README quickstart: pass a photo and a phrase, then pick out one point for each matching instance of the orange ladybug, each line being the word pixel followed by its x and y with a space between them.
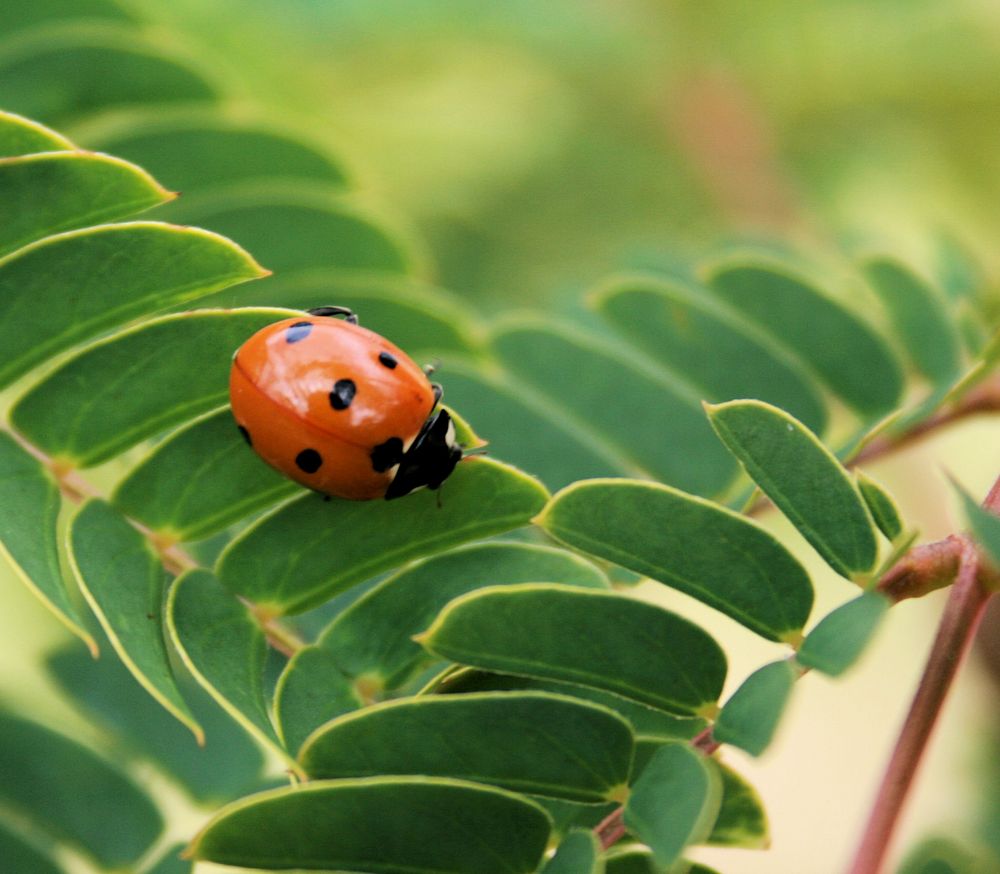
pixel 340 409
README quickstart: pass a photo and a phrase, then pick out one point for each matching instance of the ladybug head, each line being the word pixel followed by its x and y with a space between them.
pixel 430 459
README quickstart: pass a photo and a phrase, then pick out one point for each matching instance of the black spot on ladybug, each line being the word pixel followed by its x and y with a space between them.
pixel 387 359
pixel 342 394
pixel 309 460
pixel 298 331
pixel 246 435
pixel 387 454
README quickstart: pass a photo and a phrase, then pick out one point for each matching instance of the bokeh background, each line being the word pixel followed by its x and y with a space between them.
pixel 528 150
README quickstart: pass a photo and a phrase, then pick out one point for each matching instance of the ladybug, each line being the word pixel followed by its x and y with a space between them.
pixel 340 409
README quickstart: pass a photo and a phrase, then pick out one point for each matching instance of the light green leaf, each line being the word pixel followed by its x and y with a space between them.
pixel 22 136
pixel 838 640
pixel 935 855
pixel 58 191
pixel 630 859
pixel 750 717
pixel 380 824
pixel 742 821
pixel 532 742
pixel 710 346
pixel 123 581
pixel 74 793
pixel 21 855
pixel 310 692
pixel 804 480
pixel 309 549
pixel 600 389
pixel 920 318
pixel 373 637
pixel 675 802
pixel 29 513
pixel 199 481
pixel 691 544
pixel 984 525
pixel 881 505
pixel 579 853
pixel 112 274
pixel 22 16
pixel 847 354
pixel 646 653
pixel 136 383
pixel 223 648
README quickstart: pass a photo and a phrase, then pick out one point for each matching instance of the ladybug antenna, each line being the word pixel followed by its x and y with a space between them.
pixel 333 312
pixel 433 366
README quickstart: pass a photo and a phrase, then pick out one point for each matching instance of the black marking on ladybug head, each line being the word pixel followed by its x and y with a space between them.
pixel 387 454
pixel 309 461
pixel 387 359
pixel 246 435
pixel 298 331
pixel 343 393
pixel 430 459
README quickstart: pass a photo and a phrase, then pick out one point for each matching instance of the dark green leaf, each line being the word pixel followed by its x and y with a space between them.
pixel 373 637
pixel 847 354
pixel 599 391
pixel 919 317
pixel 579 853
pixel 688 543
pixel 804 480
pixel 60 191
pixel 568 815
pixel 111 274
pixel 881 505
pixel 309 549
pixel 21 136
pixel 838 640
pixel 22 16
pixel 123 580
pixel 199 481
pixel 634 649
pixel 74 793
pixel 170 862
pixel 742 821
pixel 630 859
pixel 22 856
pixel 310 692
pixel 136 383
pixel 710 346
pixel 750 717
pixel 984 525
pixel 675 801
pixel 223 648
pixel 29 513
pixel 380 825
pixel 532 742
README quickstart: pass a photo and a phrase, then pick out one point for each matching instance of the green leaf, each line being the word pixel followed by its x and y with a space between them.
pixel 847 354
pixel 74 793
pixel 21 855
pixel 920 318
pixel 373 637
pixel 196 153
pixel 60 191
pixel 228 765
pixel 310 692
pixel 29 514
pixel 60 77
pixel 309 549
pixel 675 802
pixel 691 544
pixel 984 525
pixel 579 853
pixel 710 346
pixel 881 505
pixel 381 824
pixel 223 648
pixel 532 742
pixel 936 855
pixel 136 383
pixel 645 653
pixel 630 859
pixel 750 717
pixel 22 16
pixel 112 274
pixel 170 862
pixel 840 637
pixel 199 481
pixel 742 821
pixel 804 479
pixel 123 581
pixel 22 136
pixel 600 390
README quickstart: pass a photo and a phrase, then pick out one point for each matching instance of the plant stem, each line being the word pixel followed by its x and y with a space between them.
pixel 955 633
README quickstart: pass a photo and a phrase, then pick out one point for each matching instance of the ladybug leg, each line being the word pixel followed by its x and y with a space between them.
pixel 438 392
pixel 333 312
